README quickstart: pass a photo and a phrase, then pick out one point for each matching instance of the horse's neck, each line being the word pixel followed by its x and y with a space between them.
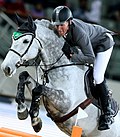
pixel 52 46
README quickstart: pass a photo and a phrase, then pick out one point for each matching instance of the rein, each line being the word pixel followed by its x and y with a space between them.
pixel 46 71
pixel 45 75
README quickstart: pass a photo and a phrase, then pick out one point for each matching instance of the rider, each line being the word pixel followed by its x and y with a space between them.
pixel 91 44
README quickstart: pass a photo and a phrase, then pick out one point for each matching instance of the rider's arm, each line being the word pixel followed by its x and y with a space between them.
pixel 82 41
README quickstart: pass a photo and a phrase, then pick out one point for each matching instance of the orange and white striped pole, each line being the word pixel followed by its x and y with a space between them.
pixel 6 132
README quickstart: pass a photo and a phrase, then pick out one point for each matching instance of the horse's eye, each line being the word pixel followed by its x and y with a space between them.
pixel 25 41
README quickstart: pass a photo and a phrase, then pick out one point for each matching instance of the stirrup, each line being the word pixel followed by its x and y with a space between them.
pixel 105 121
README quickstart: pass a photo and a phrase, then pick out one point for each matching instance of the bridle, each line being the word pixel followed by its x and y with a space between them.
pixel 25 63
pixel 33 37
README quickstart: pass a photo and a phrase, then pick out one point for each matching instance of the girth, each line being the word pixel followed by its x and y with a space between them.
pixel 62 119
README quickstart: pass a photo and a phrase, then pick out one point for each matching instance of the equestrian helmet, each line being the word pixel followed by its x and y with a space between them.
pixel 61 14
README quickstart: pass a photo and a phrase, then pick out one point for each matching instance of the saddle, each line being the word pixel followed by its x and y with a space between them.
pixel 90 92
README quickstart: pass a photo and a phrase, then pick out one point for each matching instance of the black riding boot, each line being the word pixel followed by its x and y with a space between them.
pixel 106 118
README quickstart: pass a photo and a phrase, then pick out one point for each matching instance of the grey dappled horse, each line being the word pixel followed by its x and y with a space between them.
pixel 65 89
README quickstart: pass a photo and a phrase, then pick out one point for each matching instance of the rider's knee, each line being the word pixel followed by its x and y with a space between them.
pixel 98 79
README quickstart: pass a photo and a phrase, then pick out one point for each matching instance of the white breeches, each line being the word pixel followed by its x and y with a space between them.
pixel 100 65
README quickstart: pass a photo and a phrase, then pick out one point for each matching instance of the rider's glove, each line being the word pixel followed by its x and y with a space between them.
pixel 67 51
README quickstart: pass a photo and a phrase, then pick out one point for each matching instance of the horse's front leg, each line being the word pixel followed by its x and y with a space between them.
pixel 22 110
pixel 34 108
pixel 26 79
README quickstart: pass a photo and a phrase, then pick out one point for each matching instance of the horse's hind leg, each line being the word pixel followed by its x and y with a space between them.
pixel 22 110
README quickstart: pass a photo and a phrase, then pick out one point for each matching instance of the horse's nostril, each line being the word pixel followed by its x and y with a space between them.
pixel 7 70
pixel 18 65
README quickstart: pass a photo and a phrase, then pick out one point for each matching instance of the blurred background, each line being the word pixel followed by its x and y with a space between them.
pixel 100 12
pixel 103 12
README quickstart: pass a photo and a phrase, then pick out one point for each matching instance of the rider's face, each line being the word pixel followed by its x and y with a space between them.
pixel 62 28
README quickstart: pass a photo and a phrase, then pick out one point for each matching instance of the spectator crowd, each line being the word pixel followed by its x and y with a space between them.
pixel 86 10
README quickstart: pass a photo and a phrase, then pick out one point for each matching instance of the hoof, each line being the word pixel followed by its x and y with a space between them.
pixel 36 124
pixel 22 111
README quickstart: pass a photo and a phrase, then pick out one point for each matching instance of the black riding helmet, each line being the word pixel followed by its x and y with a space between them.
pixel 61 14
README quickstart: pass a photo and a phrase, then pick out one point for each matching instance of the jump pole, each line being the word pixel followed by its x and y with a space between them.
pixel 2 134
pixel 6 132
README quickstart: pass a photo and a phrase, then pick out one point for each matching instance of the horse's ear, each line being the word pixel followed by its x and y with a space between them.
pixel 19 21
pixel 31 23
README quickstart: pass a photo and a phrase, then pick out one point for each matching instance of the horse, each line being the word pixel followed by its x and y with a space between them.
pixel 60 83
